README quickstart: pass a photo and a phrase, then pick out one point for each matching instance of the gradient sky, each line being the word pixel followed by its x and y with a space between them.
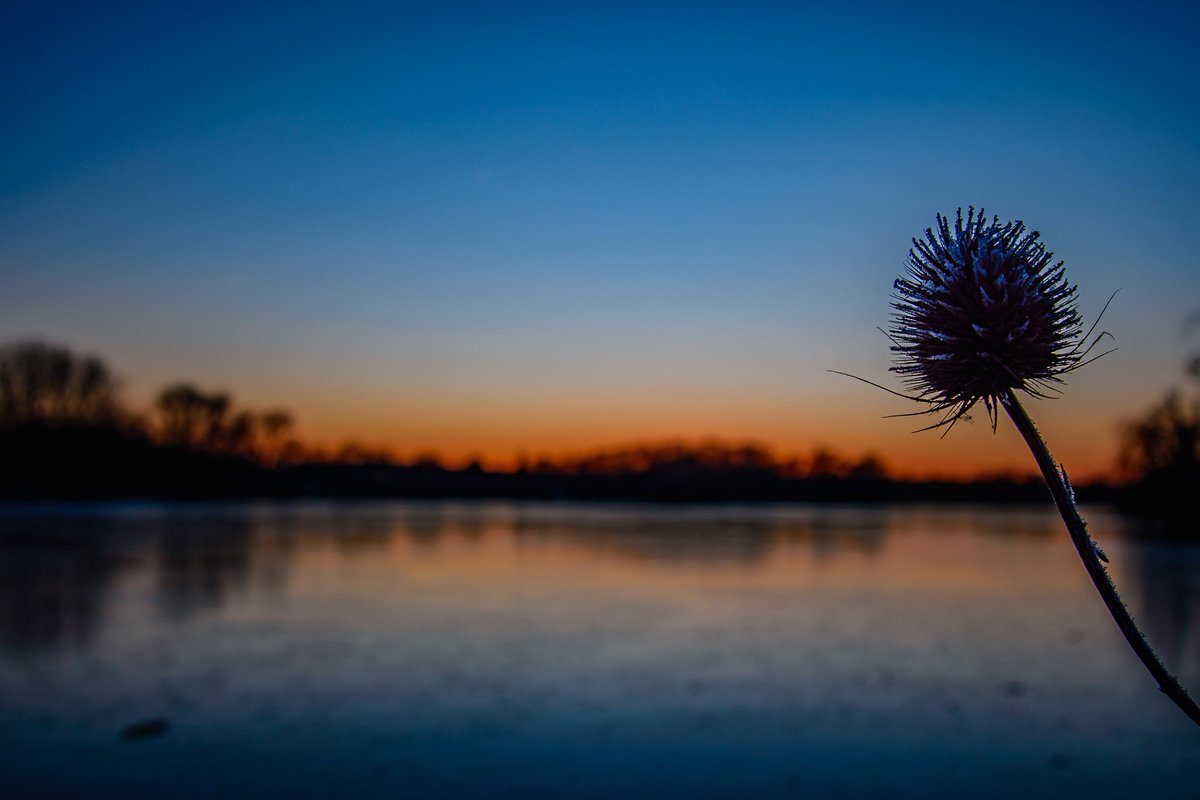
pixel 492 228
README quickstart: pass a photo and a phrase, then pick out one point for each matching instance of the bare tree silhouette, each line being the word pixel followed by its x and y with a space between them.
pixel 1165 438
pixel 275 436
pixel 1160 453
pixel 207 421
pixel 48 384
pixel 189 417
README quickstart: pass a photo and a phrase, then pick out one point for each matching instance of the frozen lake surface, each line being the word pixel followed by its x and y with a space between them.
pixel 540 650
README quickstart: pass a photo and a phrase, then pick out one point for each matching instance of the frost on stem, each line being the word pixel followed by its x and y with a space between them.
pixel 1096 549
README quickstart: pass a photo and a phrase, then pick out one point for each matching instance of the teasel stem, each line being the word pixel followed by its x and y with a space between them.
pixel 1090 554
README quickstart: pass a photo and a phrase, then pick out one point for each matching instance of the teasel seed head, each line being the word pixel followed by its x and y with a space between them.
pixel 982 310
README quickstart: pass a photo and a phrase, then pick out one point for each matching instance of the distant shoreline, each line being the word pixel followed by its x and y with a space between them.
pixel 335 481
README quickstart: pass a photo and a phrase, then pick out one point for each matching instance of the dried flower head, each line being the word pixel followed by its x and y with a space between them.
pixel 981 311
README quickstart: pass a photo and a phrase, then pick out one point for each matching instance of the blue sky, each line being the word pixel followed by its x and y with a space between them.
pixel 493 227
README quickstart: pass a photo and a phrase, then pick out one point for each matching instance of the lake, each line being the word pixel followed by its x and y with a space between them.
pixel 427 649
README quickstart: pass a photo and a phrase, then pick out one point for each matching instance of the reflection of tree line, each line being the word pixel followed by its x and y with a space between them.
pixel 57 569
pixel 52 576
pixel 1167 578
pixel 708 537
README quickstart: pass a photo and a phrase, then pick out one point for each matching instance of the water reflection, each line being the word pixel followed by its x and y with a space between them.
pixel 1166 591
pixel 720 535
pixel 200 562
pixel 54 575
pixel 483 649
pixel 57 564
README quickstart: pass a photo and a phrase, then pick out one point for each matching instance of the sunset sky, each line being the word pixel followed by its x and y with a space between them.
pixel 541 227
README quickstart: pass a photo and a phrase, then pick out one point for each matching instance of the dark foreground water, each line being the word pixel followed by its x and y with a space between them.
pixel 506 650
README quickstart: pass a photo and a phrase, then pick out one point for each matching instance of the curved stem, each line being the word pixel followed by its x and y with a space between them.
pixel 1064 498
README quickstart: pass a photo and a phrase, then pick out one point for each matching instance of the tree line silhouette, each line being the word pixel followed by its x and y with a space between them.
pixel 1160 456
pixel 65 433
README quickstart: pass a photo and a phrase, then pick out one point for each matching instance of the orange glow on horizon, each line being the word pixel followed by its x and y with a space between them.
pixel 926 458
pixel 502 424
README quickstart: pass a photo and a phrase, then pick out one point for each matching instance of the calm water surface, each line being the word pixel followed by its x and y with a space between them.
pixel 534 650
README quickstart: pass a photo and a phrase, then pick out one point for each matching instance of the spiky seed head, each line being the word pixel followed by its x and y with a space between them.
pixel 982 310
